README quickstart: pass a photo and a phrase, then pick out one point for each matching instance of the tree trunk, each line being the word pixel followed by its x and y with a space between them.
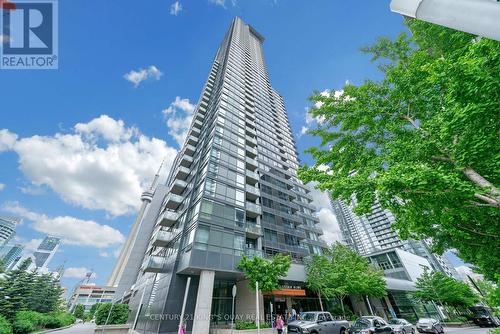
pixel 320 302
pixel 342 304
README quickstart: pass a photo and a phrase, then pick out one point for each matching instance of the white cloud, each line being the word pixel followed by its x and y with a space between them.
pixel 2 186
pixel 107 127
pixel 77 272
pixel 175 8
pixel 103 254
pixel 327 220
pixel 7 140
pixel 178 117
pixel 310 120
pixel 71 230
pixel 32 245
pixel 32 190
pixel 136 77
pixel 106 174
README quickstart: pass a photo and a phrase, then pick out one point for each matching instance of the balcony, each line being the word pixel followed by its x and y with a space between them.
pixel 168 218
pixel 253 210
pixel 195 132
pixel 253 230
pixel 153 264
pixel 173 201
pixel 251 152
pixel 251 252
pixel 162 238
pixel 252 164
pixel 178 187
pixel 199 116
pixel 182 173
pixel 191 140
pixel 190 149
pixel 186 161
pixel 198 124
pixel 252 192
pixel 252 178
pixel 251 141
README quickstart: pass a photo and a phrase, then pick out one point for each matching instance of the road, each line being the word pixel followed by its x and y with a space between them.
pixel 466 330
pixel 87 328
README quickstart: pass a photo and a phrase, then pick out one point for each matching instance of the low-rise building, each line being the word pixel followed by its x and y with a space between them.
pixel 90 294
pixel 401 270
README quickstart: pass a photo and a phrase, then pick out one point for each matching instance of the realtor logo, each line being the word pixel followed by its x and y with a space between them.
pixel 29 35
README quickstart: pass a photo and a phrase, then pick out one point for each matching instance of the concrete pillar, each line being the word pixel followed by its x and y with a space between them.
pixel 201 321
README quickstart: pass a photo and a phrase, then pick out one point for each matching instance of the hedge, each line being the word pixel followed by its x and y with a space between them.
pixel 5 327
pixel 118 316
pixel 30 321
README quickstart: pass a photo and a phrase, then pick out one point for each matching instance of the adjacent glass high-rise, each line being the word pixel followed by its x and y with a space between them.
pixel 7 229
pixel 232 190
pixel 45 251
pixel 373 232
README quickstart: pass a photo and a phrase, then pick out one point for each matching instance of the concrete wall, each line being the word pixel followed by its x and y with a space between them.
pixel 245 302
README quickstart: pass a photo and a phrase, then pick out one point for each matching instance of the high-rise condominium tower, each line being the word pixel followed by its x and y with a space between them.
pixel 373 232
pixel 7 229
pixel 232 190
pixel 46 251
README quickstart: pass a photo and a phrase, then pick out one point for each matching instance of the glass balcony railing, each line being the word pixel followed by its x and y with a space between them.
pixel 252 163
pixel 168 218
pixel 153 264
pixel 182 173
pixel 253 209
pixel 186 161
pixel 173 201
pixel 162 237
pixel 251 252
pixel 253 229
pixel 178 187
pixel 252 177
pixel 252 192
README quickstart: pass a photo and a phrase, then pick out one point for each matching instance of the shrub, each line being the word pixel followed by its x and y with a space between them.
pixel 250 325
pixel 456 319
pixel 27 321
pixel 5 327
pixel 58 319
pixel 119 314
pixel 23 327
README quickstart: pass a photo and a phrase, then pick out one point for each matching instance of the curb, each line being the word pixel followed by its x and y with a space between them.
pixel 54 329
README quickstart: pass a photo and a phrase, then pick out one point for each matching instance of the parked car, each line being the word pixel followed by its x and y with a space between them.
pixel 484 317
pixel 401 326
pixel 317 323
pixel 370 325
pixel 429 325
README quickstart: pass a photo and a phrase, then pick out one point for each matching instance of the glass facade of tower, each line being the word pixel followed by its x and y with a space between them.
pixel 233 189
pixel 373 232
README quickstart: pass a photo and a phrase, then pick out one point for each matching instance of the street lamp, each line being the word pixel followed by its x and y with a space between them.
pixel 477 17
pixel 232 311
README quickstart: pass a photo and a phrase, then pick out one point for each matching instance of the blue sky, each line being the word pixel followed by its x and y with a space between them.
pixel 80 142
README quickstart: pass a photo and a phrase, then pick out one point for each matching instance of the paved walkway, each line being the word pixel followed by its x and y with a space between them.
pixel 466 330
pixel 87 328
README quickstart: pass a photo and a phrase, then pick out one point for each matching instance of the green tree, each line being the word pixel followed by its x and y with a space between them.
pixel 93 309
pixel 423 140
pixel 353 274
pixel 111 314
pixel 266 272
pixel 318 277
pixel 490 292
pixel 79 311
pixel 15 289
pixel 434 286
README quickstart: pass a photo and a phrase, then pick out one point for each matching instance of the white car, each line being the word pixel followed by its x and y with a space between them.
pixel 429 325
